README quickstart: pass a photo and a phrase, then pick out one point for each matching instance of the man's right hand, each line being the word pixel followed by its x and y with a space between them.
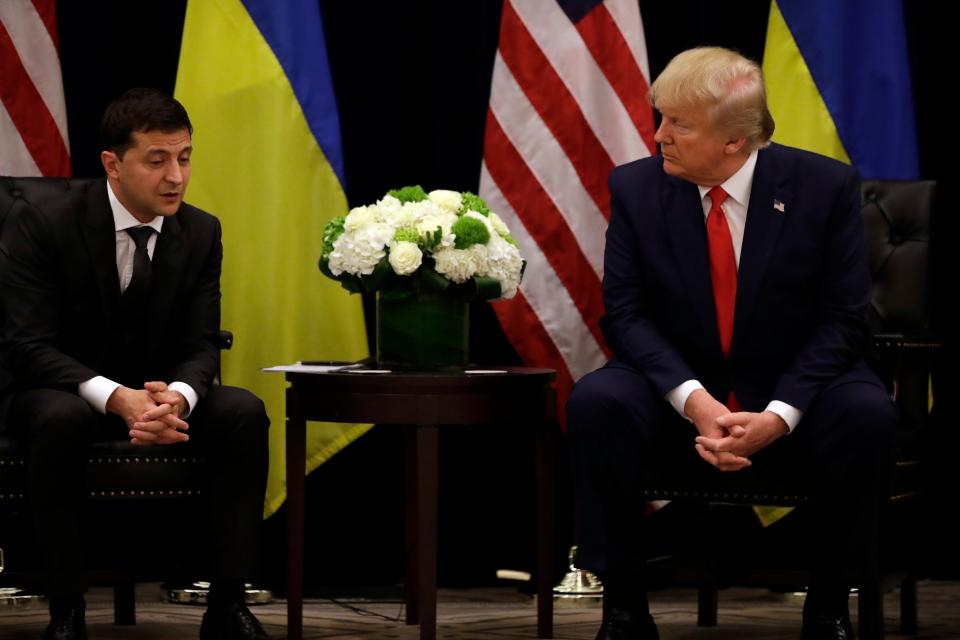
pixel 704 410
pixel 149 423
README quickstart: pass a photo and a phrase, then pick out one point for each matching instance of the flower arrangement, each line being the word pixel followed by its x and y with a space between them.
pixel 411 242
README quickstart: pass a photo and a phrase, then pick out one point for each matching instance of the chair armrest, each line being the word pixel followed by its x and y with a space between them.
pixel 922 342
pixel 225 339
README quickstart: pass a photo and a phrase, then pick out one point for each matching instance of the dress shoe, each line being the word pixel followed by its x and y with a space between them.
pixel 231 622
pixel 620 624
pixel 66 624
pixel 822 627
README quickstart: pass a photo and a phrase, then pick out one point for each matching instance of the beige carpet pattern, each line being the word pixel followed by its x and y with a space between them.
pixel 494 614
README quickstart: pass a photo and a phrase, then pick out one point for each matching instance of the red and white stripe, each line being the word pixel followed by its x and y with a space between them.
pixel 33 114
pixel 568 103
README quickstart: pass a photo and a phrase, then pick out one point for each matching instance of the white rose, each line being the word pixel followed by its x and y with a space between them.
pixel 449 200
pixel 405 257
pixel 498 224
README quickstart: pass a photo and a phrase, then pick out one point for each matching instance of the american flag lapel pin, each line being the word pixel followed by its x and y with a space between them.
pixel 779 206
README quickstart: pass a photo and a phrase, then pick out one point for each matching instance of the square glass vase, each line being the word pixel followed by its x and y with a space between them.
pixel 422 332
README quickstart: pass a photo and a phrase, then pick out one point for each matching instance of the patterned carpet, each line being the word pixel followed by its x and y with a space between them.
pixel 494 614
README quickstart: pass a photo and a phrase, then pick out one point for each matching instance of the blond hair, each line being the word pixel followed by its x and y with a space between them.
pixel 729 85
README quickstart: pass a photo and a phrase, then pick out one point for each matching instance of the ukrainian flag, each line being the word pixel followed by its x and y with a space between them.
pixel 254 76
pixel 838 84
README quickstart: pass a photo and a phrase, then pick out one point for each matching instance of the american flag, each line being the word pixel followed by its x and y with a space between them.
pixel 33 115
pixel 567 104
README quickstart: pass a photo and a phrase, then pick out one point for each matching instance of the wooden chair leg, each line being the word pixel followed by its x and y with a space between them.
pixel 870 606
pixel 908 605
pixel 707 596
pixel 124 604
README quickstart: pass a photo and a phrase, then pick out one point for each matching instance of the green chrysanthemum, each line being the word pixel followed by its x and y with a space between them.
pixel 414 193
pixel 469 231
pixel 407 234
pixel 473 202
pixel 331 231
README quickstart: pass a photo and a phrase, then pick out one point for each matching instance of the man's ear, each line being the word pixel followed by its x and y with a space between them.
pixel 733 147
pixel 110 160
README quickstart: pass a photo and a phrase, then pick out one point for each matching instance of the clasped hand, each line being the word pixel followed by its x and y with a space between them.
pixel 727 440
pixel 152 414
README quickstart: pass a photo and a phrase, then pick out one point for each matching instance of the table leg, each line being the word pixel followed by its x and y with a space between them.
pixel 545 526
pixel 422 454
pixel 296 466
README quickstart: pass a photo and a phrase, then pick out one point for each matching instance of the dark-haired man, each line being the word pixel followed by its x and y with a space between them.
pixel 112 301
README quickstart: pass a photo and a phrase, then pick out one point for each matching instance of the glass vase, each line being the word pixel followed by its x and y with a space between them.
pixel 426 332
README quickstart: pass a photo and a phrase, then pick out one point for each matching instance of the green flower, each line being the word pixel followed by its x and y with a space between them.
pixel 331 231
pixel 407 234
pixel 473 202
pixel 509 238
pixel 413 193
pixel 469 231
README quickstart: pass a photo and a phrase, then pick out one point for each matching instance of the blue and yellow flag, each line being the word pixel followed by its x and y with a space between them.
pixel 254 77
pixel 838 83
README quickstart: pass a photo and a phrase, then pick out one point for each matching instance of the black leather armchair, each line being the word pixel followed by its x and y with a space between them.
pixel 118 472
pixel 897 217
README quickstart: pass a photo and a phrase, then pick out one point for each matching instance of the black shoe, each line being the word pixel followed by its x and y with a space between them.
pixel 231 622
pixel 822 627
pixel 66 624
pixel 620 624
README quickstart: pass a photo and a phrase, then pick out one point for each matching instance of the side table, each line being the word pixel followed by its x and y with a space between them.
pixel 422 403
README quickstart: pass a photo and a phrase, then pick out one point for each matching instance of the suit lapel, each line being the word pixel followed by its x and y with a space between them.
pixel 688 239
pixel 99 235
pixel 770 204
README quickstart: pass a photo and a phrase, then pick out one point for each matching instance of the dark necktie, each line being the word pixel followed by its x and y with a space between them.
pixel 723 274
pixel 142 269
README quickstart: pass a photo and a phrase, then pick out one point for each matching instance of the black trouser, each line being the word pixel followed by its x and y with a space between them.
pixel 228 428
pixel 619 426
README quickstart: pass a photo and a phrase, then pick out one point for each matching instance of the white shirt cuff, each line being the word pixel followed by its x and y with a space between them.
pixel 188 394
pixel 677 397
pixel 96 391
pixel 791 415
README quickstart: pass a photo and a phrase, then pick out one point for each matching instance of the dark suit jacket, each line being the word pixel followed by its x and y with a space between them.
pixel 62 294
pixel 802 284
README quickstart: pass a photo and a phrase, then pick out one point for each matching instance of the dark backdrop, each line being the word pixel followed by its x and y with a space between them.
pixel 380 52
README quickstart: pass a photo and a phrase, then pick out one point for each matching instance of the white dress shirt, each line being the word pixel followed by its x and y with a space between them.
pixel 738 188
pixel 97 390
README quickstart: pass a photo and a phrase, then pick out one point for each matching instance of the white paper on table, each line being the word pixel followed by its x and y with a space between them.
pixel 299 367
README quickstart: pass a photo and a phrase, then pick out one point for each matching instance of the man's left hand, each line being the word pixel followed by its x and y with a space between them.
pixel 161 394
pixel 759 431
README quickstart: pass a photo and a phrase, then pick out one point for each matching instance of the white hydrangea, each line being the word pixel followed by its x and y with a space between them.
pixel 458 265
pixel 449 200
pixel 504 264
pixel 405 257
pixel 357 252
pixel 361 218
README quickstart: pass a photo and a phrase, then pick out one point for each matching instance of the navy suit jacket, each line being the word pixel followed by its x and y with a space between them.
pixel 802 284
pixel 62 293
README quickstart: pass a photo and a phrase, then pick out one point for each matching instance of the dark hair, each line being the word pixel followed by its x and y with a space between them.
pixel 140 109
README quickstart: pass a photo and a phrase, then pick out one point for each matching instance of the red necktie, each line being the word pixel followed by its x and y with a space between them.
pixel 723 273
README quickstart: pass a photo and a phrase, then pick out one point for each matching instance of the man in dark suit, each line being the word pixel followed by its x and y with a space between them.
pixel 735 286
pixel 112 312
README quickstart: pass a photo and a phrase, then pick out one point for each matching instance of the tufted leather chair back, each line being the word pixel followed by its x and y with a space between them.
pixel 896 219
